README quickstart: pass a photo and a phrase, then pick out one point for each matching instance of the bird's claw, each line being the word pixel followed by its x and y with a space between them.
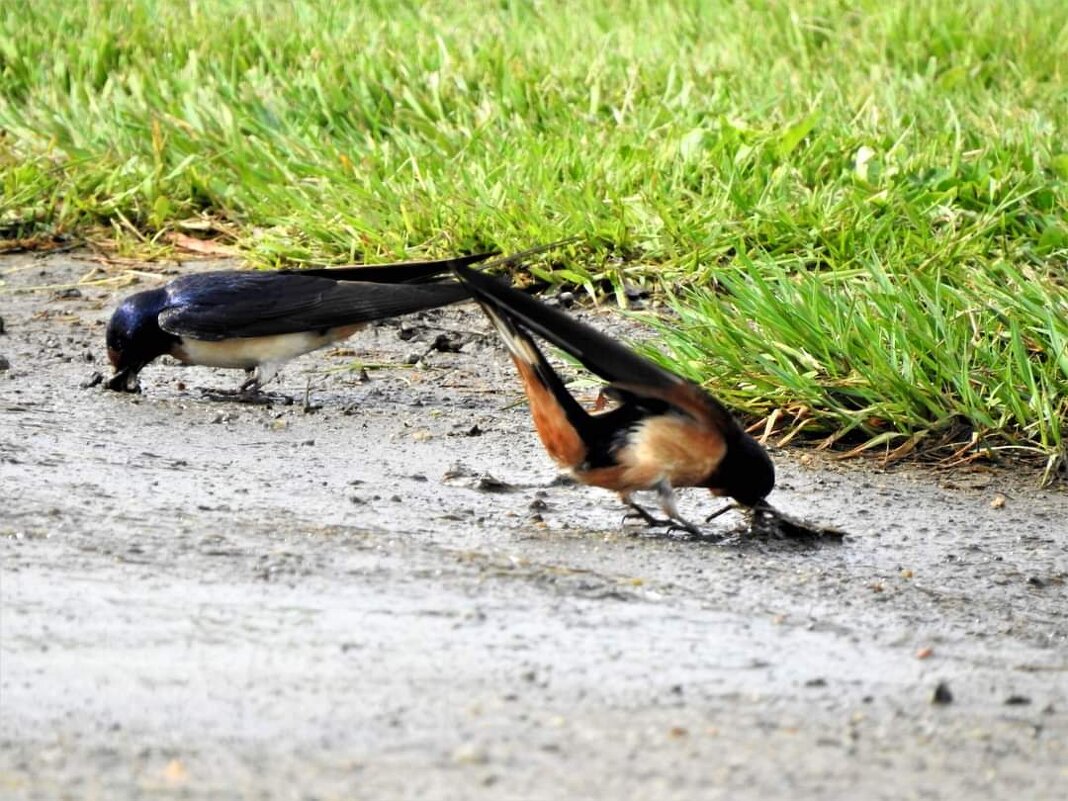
pixel 669 524
pixel 242 395
pixel 684 525
pixel 637 513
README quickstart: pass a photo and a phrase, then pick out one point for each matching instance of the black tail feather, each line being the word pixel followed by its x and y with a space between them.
pixel 415 271
pixel 397 272
pixel 597 352
pixel 524 349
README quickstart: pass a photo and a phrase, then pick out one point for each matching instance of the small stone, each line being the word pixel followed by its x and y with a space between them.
pixel 1017 700
pixel 941 694
pixel 95 378
pixel 175 772
pixel 457 470
pixel 488 483
pixel 443 343
pixel 469 754
pixel 6 365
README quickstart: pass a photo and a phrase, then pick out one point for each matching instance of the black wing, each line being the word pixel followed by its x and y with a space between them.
pixel 603 355
pixel 220 305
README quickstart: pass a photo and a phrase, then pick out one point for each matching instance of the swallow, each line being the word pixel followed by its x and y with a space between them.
pixel 665 431
pixel 257 321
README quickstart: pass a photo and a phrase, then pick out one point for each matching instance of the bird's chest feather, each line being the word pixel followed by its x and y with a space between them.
pixel 249 352
pixel 657 448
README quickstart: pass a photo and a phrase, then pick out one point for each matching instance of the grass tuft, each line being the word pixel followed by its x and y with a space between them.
pixel 970 363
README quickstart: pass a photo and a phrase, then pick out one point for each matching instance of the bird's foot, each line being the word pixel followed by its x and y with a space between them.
pixel 250 395
pixel 680 524
pixel 669 524
pixel 635 512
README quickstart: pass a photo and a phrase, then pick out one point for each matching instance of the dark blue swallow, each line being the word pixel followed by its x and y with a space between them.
pixel 257 321
pixel 665 432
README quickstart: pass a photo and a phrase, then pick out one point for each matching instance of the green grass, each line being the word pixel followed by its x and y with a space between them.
pixel 860 207
pixel 968 363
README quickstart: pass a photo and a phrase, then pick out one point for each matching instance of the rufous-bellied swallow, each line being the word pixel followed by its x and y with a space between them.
pixel 258 320
pixel 665 432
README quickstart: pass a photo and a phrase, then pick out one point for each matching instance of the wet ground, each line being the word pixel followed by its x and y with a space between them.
pixel 388 593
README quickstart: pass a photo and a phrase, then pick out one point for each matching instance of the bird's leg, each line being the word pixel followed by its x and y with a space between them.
pixel 251 389
pixel 667 502
pixel 250 386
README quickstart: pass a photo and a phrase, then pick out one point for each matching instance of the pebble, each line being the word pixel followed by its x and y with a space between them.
pixel 469 754
pixel 942 694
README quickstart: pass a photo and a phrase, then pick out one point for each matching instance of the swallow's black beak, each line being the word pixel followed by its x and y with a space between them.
pixel 124 380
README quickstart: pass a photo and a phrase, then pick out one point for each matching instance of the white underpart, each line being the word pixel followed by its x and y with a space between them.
pixel 262 354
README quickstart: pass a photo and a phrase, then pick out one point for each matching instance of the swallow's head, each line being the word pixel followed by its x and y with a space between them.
pixel 134 338
pixel 746 473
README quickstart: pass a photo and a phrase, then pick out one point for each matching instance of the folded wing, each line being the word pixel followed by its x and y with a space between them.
pixel 214 306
